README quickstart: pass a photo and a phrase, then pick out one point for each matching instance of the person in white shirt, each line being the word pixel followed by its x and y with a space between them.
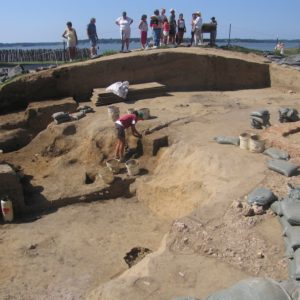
pixel 198 29
pixel 72 41
pixel 124 23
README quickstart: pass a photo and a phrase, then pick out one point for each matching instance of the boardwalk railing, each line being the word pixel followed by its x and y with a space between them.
pixel 41 55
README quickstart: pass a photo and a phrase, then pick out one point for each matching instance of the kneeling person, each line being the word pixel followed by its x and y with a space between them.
pixel 121 124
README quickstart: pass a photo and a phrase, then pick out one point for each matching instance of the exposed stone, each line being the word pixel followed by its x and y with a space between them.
pixel 237 204
pixel 135 255
pixel 247 210
pixel 258 210
pixel 260 255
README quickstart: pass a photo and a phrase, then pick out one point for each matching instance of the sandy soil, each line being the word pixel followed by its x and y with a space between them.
pixel 64 254
pixel 188 193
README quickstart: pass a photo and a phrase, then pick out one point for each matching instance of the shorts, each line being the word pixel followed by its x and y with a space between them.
pixel 125 34
pixel 165 33
pixel 93 41
pixel 120 132
pixel 143 37
pixel 71 43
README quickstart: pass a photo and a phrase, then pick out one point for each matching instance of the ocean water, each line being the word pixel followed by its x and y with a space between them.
pixel 103 47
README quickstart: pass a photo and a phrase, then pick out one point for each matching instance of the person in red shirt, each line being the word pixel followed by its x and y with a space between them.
pixel 121 124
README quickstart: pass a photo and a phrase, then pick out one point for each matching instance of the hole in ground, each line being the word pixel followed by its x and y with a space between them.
pixel 90 178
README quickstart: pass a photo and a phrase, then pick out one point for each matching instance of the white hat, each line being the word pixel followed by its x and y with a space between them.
pixel 172 9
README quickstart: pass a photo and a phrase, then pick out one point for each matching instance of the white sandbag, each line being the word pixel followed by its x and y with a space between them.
pixel 228 140
pixel 119 88
pixel 277 153
pixel 252 289
pixel 283 167
pixel 261 196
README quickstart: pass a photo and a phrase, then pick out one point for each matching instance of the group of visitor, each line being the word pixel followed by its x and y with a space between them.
pixel 165 31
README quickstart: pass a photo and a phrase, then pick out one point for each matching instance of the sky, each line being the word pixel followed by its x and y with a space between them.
pixel 45 21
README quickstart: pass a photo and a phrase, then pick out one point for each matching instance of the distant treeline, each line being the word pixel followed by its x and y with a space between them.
pixel 110 41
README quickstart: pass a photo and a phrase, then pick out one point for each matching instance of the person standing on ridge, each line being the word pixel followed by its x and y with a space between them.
pixel 198 29
pixel 143 27
pixel 180 28
pixel 156 28
pixel 213 34
pixel 173 25
pixel 93 37
pixel 72 41
pixel 193 29
pixel 124 23
pixel 163 19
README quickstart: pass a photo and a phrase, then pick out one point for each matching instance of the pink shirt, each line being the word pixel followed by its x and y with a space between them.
pixel 127 120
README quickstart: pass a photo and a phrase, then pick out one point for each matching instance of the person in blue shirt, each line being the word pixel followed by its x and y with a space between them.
pixel 93 37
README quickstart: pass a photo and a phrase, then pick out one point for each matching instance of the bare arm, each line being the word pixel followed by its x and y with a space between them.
pixel 135 132
pixel 64 34
pixel 76 36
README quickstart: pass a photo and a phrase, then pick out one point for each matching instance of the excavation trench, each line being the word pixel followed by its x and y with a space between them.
pixel 221 74
pixel 81 246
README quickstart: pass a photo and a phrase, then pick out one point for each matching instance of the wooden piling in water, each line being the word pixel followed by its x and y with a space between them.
pixel 41 55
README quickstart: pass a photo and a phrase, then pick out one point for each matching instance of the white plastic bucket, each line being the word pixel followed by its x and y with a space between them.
pixel 133 167
pixel 256 145
pixel 7 210
pixel 113 165
pixel 145 112
pixel 244 141
pixel 106 175
pixel 113 112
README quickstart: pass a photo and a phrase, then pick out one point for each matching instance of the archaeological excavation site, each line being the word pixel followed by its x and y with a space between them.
pixel 205 205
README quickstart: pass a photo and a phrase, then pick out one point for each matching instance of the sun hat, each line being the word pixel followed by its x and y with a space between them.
pixel 140 115
pixel 198 13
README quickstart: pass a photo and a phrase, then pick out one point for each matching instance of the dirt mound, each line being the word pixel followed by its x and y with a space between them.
pixel 223 71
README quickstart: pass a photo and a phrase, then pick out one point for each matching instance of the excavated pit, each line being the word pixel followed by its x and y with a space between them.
pixel 221 74
pixel 185 174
